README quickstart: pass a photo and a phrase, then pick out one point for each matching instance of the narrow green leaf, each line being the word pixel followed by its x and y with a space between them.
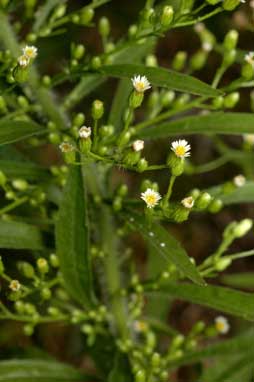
pixel 239 280
pixel 162 77
pixel 244 363
pixel 244 194
pixel 26 170
pixel 226 300
pixel 120 103
pixel 121 370
pixel 165 245
pixel 18 235
pixel 40 371
pixel 213 123
pixel 72 239
pixel 13 131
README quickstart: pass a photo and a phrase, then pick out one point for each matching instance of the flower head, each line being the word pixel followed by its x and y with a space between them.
pixel 30 51
pixel 239 180
pixel 249 138
pixel 23 61
pixel 66 147
pixel 249 57
pixel 150 197
pixel 181 148
pixel 15 285
pixel 188 202
pixel 85 132
pixel 140 83
pixel 222 324
pixel 138 145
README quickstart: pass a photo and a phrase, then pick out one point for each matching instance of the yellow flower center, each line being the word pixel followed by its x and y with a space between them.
pixel 29 52
pixel 220 326
pixel 151 199
pixel 180 151
pixel 140 86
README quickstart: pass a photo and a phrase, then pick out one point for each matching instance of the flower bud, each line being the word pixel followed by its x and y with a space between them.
pixel 136 99
pixel 124 139
pixel 122 190
pixel 179 60
pixel 229 5
pixel 54 138
pixel 213 2
pixel 167 16
pixel 20 72
pixel 153 99
pixel 54 260
pixel 106 131
pixel 231 100
pixel 96 62
pixel 175 164
pixel 46 293
pixel 53 311
pixel 218 102
pixel 68 151
pixel 242 227
pixel 3 178
pixel 203 201
pixel 140 376
pixel 132 31
pixel 97 109
pixel 151 61
pixel 131 157
pixel 222 263
pixel 142 165
pixel 86 16
pixel 229 58
pixel 28 330
pixel 1 266
pixel 42 265
pixel 26 269
pixel 20 184
pixel 167 98
pixel 104 27
pixel 156 360
pixel 117 203
pixel 215 206
pixel 46 81
pixel 230 40
pixel 198 60
pixel 247 71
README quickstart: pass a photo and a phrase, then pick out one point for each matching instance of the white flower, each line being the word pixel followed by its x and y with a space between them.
pixel 85 132
pixel 181 148
pixel 30 51
pixel 249 57
pixel 150 197
pixel 66 147
pixel 207 46
pixel 188 202
pixel 138 145
pixel 140 326
pixel 239 180
pixel 23 61
pixel 249 138
pixel 15 285
pixel 222 325
pixel 141 83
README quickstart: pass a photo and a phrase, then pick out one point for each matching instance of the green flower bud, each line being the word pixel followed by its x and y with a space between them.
pixel 46 294
pixel 19 306
pixel 132 31
pixel 131 158
pixel 203 201
pixel 230 40
pixel 151 61
pixel 177 341
pixel 179 60
pixel 117 203
pixel 218 102
pixel 76 19
pixel 213 2
pixel 122 190
pixel 167 16
pixel 156 359
pixel 195 193
pixel 54 138
pixel 106 131
pixel 247 71
pixel 46 81
pixel 164 376
pixel 54 260
pixel 3 107
pixel 181 101
pixel 231 100
pixel 30 309
pixel 20 74
pixel 1 266
pixel 229 5
pixel 215 206
pixel 26 269
pixel 176 164
pixel 229 58
pixel 153 99
pixel 96 63
pixel 86 16
pixel 53 311
pixel 198 328
pixel 167 98
pixel 136 99
pixel 59 11
pixel 68 151
pixel 20 184
pixel 3 178
pixel 97 109
pixel 79 51
pixel 124 139
pixel 28 330
pixel 198 60
pixel 242 227
pixel 79 119
pixel 142 165
pixel 42 265
pixel 140 376
pixel 104 27
pixel 23 102
pixel 222 263
pixel 180 213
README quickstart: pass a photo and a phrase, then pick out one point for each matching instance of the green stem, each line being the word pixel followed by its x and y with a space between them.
pixel 218 76
pixel 170 188
pixel 13 205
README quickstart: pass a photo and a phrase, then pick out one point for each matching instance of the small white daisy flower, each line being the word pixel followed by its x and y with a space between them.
pixel 140 326
pixel 85 132
pixel 249 138
pixel 249 57
pixel 188 202
pixel 150 197
pixel 141 83
pixel 15 285
pixel 30 51
pixel 239 180
pixel 181 148
pixel 23 61
pixel 138 145
pixel 222 325
pixel 66 147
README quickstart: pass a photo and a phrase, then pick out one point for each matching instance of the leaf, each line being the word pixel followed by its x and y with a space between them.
pixel 17 235
pixel 13 131
pixel 165 245
pixel 239 280
pixel 121 370
pixel 39 371
pixel 119 103
pixel 162 77
pixel 231 371
pixel 72 239
pixel 226 300
pixel 244 194
pixel 213 123
pixel 27 170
